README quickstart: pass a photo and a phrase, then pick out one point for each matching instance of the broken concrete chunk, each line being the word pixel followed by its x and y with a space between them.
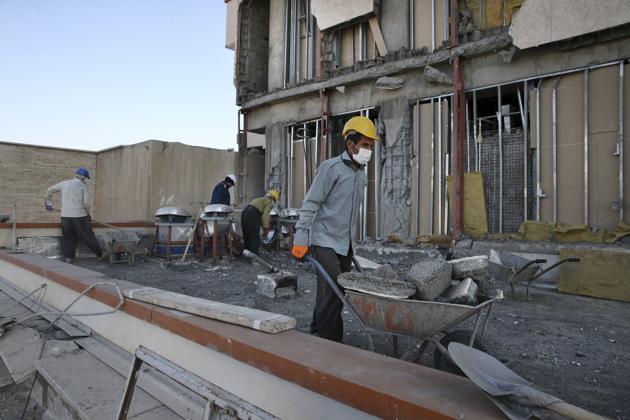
pixel 389 83
pixel 469 267
pixel 434 76
pixel 465 292
pixel 385 271
pixel 376 285
pixel 431 278
pixel 276 285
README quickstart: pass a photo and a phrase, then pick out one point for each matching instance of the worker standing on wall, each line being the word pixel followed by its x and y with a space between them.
pixel 221 191
pixel 75 214
pixel 253 214
pixel 328 220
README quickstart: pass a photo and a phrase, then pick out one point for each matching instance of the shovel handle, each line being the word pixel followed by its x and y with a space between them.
pixel 249 254
pixel 573 412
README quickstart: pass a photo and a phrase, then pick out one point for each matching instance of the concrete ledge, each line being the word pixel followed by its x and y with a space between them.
pixel 369 382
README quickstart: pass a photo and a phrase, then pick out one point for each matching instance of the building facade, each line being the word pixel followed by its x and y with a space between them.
pixel 545 110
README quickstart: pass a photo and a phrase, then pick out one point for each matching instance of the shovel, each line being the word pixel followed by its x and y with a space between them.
pixel 511 393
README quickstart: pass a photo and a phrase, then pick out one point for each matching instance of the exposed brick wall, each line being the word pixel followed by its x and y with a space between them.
pixel 26 172
pixel 253 49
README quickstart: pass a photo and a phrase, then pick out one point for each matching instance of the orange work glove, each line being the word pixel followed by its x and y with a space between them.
pixel 299 251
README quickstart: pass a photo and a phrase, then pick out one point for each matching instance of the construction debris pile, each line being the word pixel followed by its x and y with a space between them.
pixel 461 281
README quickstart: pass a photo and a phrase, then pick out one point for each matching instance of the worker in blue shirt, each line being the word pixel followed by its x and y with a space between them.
pixel 221 192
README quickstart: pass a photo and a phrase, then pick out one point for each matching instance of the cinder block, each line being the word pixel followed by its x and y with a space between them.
pixel 465 292
pixel 431 278
pixel 277 285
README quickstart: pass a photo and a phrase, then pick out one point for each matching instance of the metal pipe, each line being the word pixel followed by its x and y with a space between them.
pixel 377 189
pixel 546 75
pixel 364 220
pixel 14 227
pixel 500 117
pixel 526 151
pixel 305 153
pixel 621 134
pixel 290 169
pixel 538 189
pixel 418 155
pixel 477 146
pixel 440 166
pixel 317 160
pixel 286 43
pixel 521 108
pixel 554 145
pixel 432 25
pixel 467 140
pixel 586 118
pixel 432 164
pixel 412 24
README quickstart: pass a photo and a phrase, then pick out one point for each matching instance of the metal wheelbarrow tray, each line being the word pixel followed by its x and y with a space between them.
pixel 510 268
pixel 415 318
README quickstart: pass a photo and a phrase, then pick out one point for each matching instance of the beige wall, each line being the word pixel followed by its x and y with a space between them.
pixel 122 187
pixel 182 174
pixel 131 182
pixel 27 171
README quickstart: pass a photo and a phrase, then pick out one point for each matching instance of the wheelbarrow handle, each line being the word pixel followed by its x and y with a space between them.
pixel 357 265
pixel 340 295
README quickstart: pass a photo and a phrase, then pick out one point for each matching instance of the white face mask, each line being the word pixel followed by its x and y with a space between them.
pixel 363 157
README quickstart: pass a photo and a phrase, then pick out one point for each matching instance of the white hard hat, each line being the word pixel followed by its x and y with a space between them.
pixel 233 178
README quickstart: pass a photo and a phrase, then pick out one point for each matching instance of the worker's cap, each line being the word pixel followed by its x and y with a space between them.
pixel 83 172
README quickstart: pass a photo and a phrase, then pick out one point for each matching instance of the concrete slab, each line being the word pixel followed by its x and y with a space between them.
pixel 90 387
pixel 465 292
pixel 365 263
pixel 431 277
pixel 276 285
pixel 474 267
pixel 20 348
pixel 246 317
pixel 376 285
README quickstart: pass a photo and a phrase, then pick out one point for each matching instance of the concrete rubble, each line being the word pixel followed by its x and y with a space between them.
pixel 464 292
pixel 277 285
pixel 431 278
pixel 380 285
pixel 474 267
pixel 389 83
pixel 436 77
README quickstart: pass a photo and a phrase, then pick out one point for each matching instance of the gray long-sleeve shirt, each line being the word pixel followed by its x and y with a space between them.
pixel 329 213
pixel 75 197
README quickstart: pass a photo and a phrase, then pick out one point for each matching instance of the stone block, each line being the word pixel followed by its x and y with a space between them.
pixel 373 284
pixel 464 292
pixel 277 285
pixel 431 278
pixel 474 267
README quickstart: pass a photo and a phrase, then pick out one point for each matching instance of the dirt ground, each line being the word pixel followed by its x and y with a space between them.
pixel 570 346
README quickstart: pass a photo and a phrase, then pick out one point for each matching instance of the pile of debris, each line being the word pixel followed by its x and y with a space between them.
pixel 462 281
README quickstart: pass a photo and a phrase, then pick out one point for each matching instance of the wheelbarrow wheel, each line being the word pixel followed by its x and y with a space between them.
pixel 441 361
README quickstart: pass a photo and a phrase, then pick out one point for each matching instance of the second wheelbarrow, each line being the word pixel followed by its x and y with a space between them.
pixel 512 269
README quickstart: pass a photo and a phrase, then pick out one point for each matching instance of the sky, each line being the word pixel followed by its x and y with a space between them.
pixel 93 74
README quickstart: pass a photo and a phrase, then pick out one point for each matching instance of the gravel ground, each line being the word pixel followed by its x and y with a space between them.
pixel 569 346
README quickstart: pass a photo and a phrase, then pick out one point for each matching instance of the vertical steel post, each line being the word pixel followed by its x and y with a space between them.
pixel 586 118
pixel 286 43
pixel 621 197
pixel 440 163
pixel 412 24
pixel 538 169
pixel 477 146
pixel 525 150
pixel 377 189
pixel 500 118
pixel 290 168
pixel 432 165
pixel 432 25
pixel 467 140
pixel 521 108
pixel 554 141
pixel 305 155
pixel 14 227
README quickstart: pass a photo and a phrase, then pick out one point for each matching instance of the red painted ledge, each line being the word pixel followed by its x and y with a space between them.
pixel 373 383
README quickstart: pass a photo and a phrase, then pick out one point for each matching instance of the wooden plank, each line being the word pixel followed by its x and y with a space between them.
pixel 238 315
pixel 378 36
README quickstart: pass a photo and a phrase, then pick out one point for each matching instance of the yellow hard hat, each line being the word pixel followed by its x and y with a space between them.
pixel 361 125
pixel 275 194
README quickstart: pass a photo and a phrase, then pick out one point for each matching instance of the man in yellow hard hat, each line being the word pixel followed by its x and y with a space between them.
pixel 253 214
pixel 328 220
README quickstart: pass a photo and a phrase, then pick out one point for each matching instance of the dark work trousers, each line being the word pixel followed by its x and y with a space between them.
pixel 327 322
pixel 250 222
pixel 75 229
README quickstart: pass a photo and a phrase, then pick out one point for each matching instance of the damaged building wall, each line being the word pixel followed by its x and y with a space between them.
pixel 253 49
pixel 276 159
pixel 27 171
pixel 395 127
pixel 331 13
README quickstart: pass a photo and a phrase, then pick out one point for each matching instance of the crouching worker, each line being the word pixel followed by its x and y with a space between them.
pixel 221 191
pixel 75 215
pixel 253 214
pixel 328 220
